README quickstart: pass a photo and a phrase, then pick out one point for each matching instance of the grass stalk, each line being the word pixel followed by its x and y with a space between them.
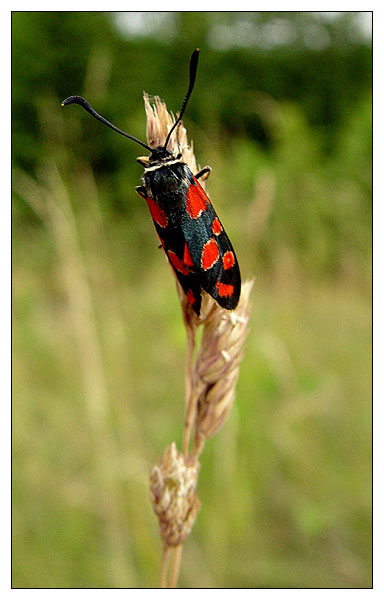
pixel 210 380
pixel 164 565
pixel 190 399
pixel 175 566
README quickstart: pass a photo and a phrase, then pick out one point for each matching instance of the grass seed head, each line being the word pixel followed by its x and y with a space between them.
pixel 217 364
pixel 159 123
pixel 173 493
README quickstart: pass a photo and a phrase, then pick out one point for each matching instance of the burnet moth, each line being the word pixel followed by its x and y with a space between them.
pixel 191 233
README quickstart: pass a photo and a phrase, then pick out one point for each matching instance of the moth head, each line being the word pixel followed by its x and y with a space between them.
pixel 157 156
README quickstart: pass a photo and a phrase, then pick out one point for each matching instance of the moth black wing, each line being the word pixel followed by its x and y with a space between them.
pixel 211 251
pixel 173 242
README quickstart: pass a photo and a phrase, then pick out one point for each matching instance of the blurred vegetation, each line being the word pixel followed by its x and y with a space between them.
pixel 282 113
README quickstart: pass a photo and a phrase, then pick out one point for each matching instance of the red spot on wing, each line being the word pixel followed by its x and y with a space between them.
pixel 228 259
pixel 216 227
pixel 177 262
pixel 197 200
pixel 210 254
pixel 157 214
pixel 190 296
pixel 187 259
pixel 224 289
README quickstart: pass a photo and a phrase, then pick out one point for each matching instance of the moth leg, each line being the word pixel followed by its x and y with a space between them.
pixel 204 173
pixel 140 189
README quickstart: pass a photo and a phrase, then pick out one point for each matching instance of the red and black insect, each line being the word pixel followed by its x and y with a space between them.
pixel 189 229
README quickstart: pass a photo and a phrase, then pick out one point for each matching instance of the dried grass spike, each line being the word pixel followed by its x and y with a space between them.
pixel 173 494
pixel 159 123
pixel 217 365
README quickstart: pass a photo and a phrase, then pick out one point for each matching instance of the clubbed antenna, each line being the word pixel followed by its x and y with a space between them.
pixel 192 78
pixel 83 102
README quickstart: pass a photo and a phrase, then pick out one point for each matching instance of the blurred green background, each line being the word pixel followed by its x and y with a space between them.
pixel 282 113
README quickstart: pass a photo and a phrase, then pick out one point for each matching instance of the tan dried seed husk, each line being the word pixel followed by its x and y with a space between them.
pixel 159 123
pixel 217 364
pixel 173 493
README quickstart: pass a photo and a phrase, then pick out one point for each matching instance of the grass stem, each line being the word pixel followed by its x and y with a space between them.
pixel 164 566
pixel 190 401
pixel 175 566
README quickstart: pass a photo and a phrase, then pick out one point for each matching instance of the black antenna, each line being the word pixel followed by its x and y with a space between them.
pixel 83 102
pixel 192 77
